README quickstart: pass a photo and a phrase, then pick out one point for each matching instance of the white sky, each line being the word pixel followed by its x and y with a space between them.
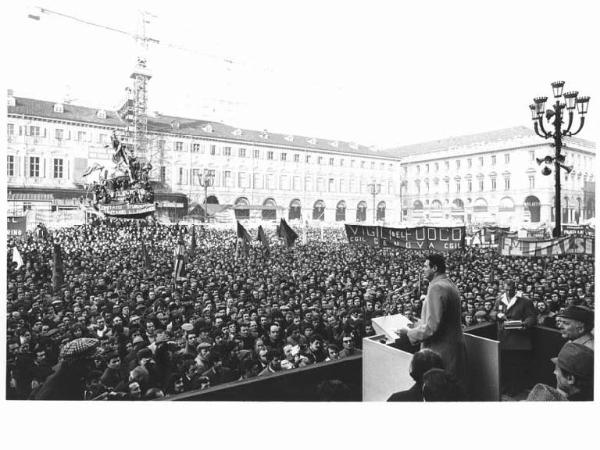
pixel 378 73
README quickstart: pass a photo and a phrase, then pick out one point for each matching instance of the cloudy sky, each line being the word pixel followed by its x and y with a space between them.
pixel 378 73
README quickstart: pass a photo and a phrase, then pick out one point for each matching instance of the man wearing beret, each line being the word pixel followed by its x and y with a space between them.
pixel 575 324
pixel 574 371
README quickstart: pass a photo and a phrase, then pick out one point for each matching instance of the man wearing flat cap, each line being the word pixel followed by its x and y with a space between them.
pixel 574 371
pixel 68 382
pixel 575 324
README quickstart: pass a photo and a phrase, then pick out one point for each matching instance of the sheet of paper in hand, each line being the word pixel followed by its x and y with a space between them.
pixel 389 324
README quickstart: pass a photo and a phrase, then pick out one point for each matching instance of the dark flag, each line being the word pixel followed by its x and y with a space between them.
pixel 193 244
pixel 57 268
pixel 145 256
pixel 262 237
pixel 243 238
pixel 287 233
pixel 179 261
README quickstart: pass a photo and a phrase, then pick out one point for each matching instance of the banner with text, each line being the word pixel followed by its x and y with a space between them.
pixel 487 236
pixel 16 226
pixel 510 246
pixel 578 230
pixel 441 239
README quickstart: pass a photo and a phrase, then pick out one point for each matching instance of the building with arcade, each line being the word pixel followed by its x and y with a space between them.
pixel 259 173
pixel 495 177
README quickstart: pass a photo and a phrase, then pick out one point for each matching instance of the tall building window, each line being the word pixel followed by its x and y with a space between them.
pixel 242 152
pixel 352 162
pixel 10 129
pixel 226 151
pixel 179 146
pixel 437 167
pixel 506 158
pixel 418 169
pixel 213 150
pixel 227 179
pixel 331 161
pixel 34 166
pixel 531 155
pixel 342 162
pixel 331 185
pixel 307 159
pixel 493 160
pixel 481 161
pixel 256 154
pixel 163 174
pixel 58 168
pixel 469 163
pixel 195 147
pixel 161 145
pixel 320 160
pixel 493 180
pixel 531 182
pixel 481 184
pixel 447 164
pixel 59 134
pixel 180 178
pixel 296 158
pixel 507 183
pixel 284 156
pixel 447 185
pixel 457 185
pixel 270 156
pixel 35 131
pixel 81 136
pixel 458 163
pixel 469 186
pixel 242 180
pixel 426 168
pixel 10 165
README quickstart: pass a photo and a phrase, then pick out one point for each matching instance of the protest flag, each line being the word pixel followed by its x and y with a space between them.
pixel 287 233
pixel 57 268
pixel 193 244
pixel 16 257
pixel 243 239
pixel 262 237
pixel 145 256
pixel 179 261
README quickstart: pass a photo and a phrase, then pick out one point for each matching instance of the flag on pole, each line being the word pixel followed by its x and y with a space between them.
pixel 287 233
pixel 262 237
pixel 16 257
pixel 179 261
pixel 243 238
pixel 57 268
pixel 193 244
pixel 145 256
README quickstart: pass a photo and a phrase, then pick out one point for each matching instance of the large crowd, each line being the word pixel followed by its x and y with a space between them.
pixel 232 316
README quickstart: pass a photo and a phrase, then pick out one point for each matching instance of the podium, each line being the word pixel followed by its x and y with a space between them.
pixel 386 365
pixel 386 362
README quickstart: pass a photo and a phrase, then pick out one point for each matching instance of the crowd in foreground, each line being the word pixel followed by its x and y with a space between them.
pixel 119 321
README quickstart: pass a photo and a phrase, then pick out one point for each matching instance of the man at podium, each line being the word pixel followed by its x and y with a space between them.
pixel 439 327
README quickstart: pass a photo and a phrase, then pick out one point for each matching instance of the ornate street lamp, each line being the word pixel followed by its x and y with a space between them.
pixel 207 178
pixel 554 117
pixel 374 189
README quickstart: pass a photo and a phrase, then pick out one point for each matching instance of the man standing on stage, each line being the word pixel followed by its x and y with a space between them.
pixel 440 328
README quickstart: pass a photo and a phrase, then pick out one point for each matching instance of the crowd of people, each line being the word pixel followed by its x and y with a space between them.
pixel 129 330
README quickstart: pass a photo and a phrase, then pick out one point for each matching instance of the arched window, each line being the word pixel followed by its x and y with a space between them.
pixel 506 204
pixel 241 208
pixel 295 209
pixel 480 205
pixel 418 204
pixel 381 211
pixel 361 211
pixel 319 210
pixel 340 211
pixel 269 211
pixel 436 204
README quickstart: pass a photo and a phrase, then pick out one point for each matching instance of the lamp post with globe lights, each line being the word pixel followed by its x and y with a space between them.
pixel 555 118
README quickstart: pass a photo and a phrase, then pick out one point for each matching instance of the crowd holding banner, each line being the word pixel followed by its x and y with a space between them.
pixel 441 239
pixel 162 331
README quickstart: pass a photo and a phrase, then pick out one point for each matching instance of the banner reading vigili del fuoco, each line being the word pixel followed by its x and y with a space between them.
pixel 418 238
